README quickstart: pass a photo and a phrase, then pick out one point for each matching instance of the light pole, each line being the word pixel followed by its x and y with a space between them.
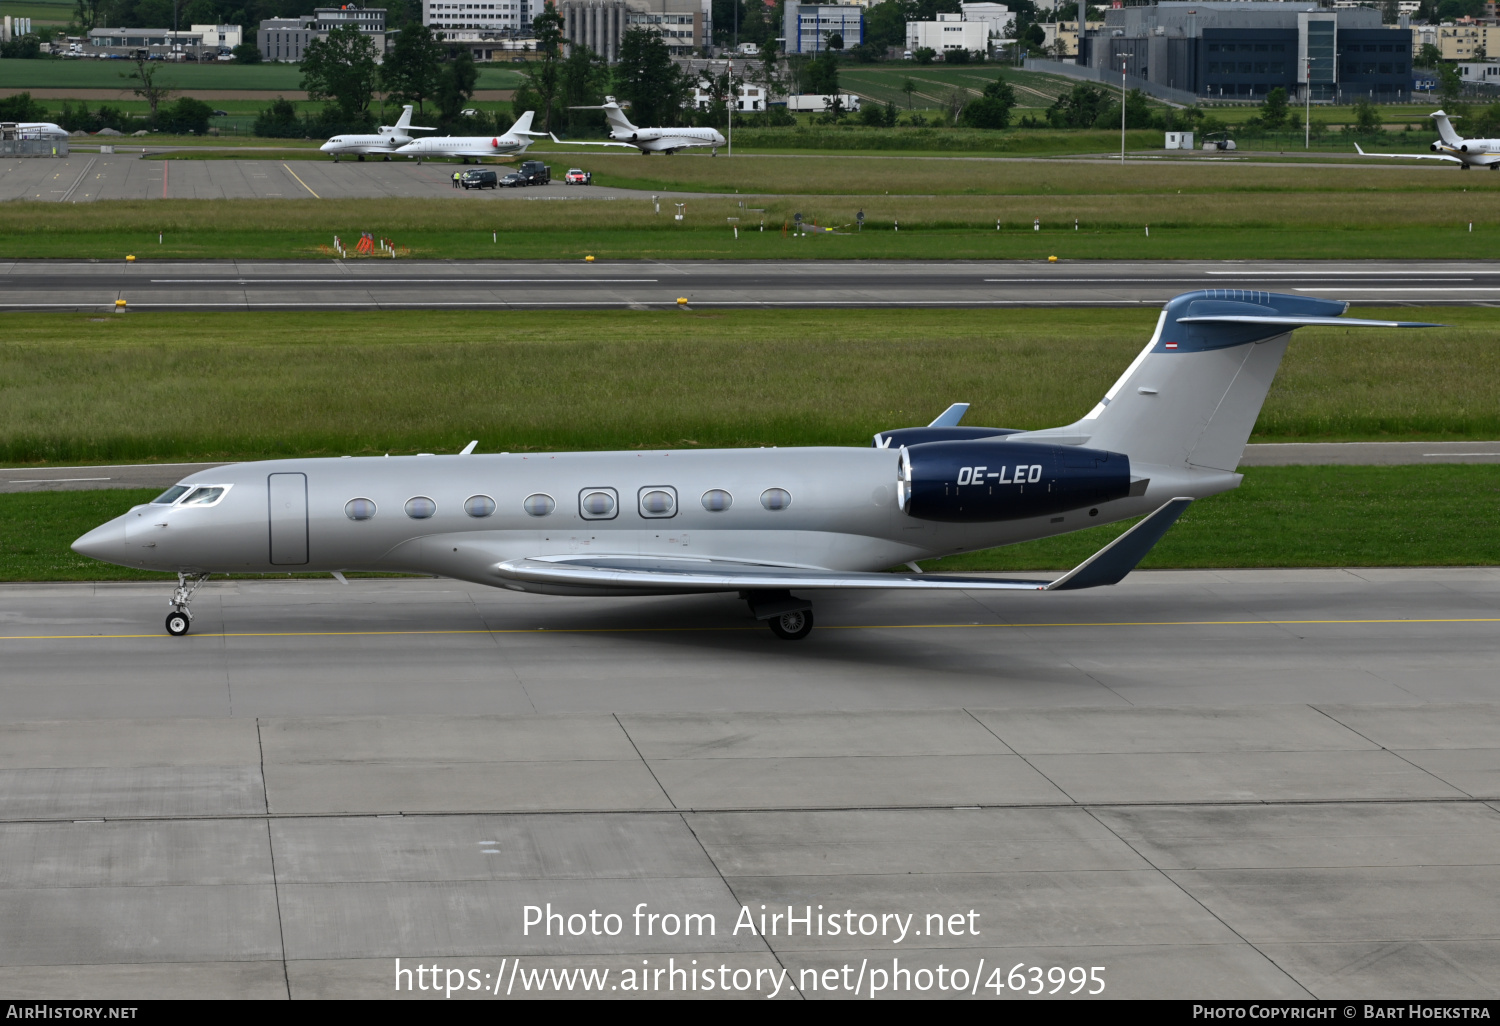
pixel 1124 59
pixel 1307 96
pixel 729 76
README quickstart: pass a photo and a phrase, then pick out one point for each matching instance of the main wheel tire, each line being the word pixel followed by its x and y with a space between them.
pixel 178 624
pixel 792 626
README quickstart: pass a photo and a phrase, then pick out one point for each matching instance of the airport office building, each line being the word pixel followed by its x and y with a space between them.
pixel 1245 48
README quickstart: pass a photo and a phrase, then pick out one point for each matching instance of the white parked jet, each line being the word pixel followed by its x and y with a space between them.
pixel 1452 147
pixel 760 522
pixel 32 130
pixel 389 139
pixel 648 140
pixel 516 140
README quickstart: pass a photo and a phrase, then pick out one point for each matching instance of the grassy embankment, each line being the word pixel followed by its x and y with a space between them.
pixel 186 77
pixel 1279 516
pixel 946 209
pixel 238 386
pixel 79 389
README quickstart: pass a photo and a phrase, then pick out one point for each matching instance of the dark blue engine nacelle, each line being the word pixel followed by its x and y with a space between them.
pixel 979 482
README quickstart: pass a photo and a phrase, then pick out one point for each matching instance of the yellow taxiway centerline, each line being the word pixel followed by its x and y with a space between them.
pixel 670 630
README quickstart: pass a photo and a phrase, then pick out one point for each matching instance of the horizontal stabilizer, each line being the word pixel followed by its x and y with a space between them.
pixel 1110 564
pixel 1302 322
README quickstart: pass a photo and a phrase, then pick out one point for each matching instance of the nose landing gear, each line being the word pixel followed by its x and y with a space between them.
pixel 180 619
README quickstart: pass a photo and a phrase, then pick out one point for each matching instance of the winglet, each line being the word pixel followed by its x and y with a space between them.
pixel 1110 564
pixel 951 416
pixel 468 449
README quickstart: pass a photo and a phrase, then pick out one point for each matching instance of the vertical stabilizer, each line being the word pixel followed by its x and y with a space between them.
pixel 404 121
pixel 522 125
pixel 1445 128
pixel 616 117
pixel 1192 396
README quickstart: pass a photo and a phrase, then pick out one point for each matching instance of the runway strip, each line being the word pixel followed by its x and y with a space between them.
pixel 1252 786
pixel 493 285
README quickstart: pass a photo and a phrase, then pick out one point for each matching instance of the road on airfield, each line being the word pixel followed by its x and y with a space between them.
pixel 490 285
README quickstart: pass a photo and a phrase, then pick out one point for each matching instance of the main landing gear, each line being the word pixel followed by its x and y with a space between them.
pixel 790 618
pixel 181 617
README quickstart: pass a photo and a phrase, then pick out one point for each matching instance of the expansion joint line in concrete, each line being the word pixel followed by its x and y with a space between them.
pixel 286 975
pixel 1383 748
pixel 740 810
pixel 636 749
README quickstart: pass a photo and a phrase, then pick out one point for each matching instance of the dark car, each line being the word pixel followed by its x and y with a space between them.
pixel 535 172
pixel 479 178
pixel 513 180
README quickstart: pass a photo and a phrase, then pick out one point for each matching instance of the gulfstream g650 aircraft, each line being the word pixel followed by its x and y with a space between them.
pixel 761 522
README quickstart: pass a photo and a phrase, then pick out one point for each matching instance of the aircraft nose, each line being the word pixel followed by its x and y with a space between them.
pixel 105 542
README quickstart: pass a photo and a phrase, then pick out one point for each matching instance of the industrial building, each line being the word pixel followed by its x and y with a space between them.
pixel 684 25
pixel 807 27
pixel 284 39
pixel 1244 49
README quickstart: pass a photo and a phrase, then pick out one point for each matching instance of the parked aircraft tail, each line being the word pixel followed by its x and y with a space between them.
pixel 1445 128
pixel 1193 394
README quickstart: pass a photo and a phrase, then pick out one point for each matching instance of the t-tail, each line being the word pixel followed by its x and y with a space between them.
pixel 1445 128
pixel 616 116
pixel 1192 396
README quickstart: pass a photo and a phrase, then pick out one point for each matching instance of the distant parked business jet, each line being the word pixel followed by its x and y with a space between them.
pixel 760 522
pixel 647 140
pixel 478 147
pixel 1452 147
pixel 389 139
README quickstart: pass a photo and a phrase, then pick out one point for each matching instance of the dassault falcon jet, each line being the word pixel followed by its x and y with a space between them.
pixel 1452 147
pixel 647 140
pixel 760 522
pixel 389 139
pixel 516 140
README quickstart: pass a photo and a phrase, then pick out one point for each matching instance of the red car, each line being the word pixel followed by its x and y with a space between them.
pixel 578 176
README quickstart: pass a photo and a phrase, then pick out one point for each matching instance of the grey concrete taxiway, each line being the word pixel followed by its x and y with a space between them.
pixel 498 285
pixel 1211 784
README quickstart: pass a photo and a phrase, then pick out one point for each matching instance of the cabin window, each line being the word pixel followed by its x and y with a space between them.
pixel 359 509
pixel 598 504
pixel 539 505
pixel 717 500
pixel 205 496
pixel 658 503
pixel 775 499
pixel 420 507
pixel 170 496
pixel 479 506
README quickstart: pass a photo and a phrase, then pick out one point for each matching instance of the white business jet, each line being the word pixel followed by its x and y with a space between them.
pixel 516 140
pixel 387 141
pixel 762 523
pixel 1452 147
pixel 647 140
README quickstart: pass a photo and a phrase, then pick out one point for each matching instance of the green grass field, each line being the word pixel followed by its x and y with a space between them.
pixel 1279 516
pixel 175 386
pixel 43 12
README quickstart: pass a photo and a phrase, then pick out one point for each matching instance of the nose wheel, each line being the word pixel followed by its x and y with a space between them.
pixel 180 619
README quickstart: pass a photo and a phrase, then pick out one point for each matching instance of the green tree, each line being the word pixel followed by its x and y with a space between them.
pixel 584 78
pixel 185 117
pixel 768 76
pixel 923 54
pixel 22 48
pixel 647 78
pixel 1428 57
pixel 146 87
pixel 908 87
pixel 1080 107
pixel 993 109
pixel 86 15
pixel 246 53
pixel 21 107
pixel 341 68
pixel 546 73
pixel 890 115
pixel 872 115
pixel 836 41
pixel 823 74
pixel 1273 112
pixel 1450 85
pixel 455 85
pixel 279 121
pixel 1366 117
pixel 885 24
pixel 411 68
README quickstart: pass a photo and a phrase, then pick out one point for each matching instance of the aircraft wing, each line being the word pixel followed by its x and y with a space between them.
pixel 677 573
pixel 1411 156
pixel 569 142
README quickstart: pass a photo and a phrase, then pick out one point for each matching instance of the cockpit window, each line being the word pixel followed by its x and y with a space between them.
pixel 170 496
pixel 205 496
